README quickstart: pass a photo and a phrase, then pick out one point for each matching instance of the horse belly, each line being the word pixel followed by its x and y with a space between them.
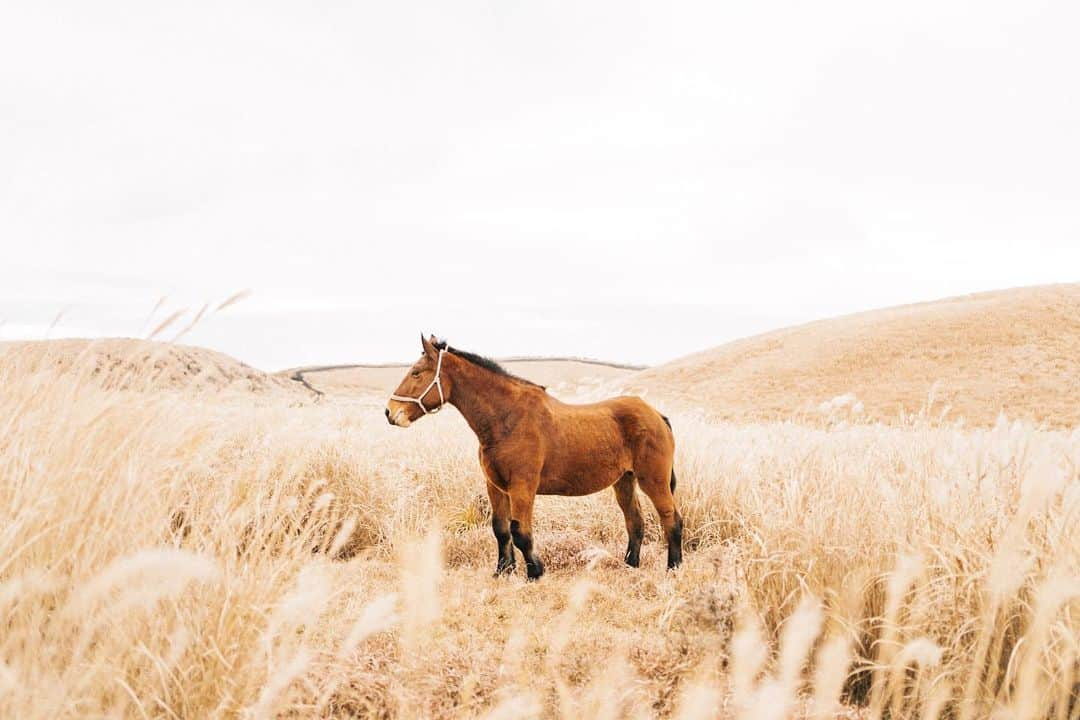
pixel 580 480
pixel 589 455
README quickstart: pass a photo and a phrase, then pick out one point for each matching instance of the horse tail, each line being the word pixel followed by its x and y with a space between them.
pixel 668 423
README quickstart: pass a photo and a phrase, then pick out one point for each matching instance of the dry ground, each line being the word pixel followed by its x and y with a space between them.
pixel 229 554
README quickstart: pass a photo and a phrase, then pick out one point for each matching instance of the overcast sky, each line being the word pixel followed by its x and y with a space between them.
pixel 617 180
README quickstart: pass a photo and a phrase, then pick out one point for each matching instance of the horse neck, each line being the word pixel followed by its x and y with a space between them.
pixel 483 398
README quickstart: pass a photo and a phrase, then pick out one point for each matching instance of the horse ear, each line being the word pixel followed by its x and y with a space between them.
pixel 429 347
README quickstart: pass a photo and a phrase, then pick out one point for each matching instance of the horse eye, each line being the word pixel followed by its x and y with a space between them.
pixel 415 374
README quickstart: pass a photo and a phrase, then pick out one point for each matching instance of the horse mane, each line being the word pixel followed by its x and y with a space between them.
pixel 484 362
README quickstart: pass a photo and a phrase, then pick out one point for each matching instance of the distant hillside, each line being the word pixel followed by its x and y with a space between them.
pixel 561 375
pixel 1012 351
pixel 128 364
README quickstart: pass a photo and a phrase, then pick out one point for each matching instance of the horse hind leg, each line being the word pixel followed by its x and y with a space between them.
pixel 626 495
pixel 658 487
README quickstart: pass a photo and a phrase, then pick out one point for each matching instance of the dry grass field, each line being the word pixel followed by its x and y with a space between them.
pixel 250 550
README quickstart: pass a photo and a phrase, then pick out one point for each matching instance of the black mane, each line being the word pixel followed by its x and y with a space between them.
pixel 484 362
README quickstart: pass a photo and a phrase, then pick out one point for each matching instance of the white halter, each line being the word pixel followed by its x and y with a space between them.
pixel 437 383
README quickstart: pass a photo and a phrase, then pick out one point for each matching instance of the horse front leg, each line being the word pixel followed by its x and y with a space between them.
pixel 521 509
pixel 500 525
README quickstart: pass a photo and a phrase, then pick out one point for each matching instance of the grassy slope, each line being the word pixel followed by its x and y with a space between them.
pixel 1013 351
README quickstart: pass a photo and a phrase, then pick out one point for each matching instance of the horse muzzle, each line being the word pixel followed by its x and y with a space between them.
pixel 398 416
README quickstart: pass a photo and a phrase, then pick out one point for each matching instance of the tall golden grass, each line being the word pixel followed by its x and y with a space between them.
pixel 193 556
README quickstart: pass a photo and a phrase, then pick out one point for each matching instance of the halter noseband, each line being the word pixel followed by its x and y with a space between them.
pixel 436 383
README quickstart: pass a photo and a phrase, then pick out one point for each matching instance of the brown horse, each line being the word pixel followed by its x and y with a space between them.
pixel 531 443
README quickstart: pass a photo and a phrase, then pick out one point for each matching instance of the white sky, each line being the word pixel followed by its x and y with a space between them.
pixel 625 181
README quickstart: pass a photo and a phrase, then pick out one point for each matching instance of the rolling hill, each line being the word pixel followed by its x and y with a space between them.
pixel 141 365
pixel 1015 352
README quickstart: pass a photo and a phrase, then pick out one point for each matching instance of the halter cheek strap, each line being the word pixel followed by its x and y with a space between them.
pixel 436 383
